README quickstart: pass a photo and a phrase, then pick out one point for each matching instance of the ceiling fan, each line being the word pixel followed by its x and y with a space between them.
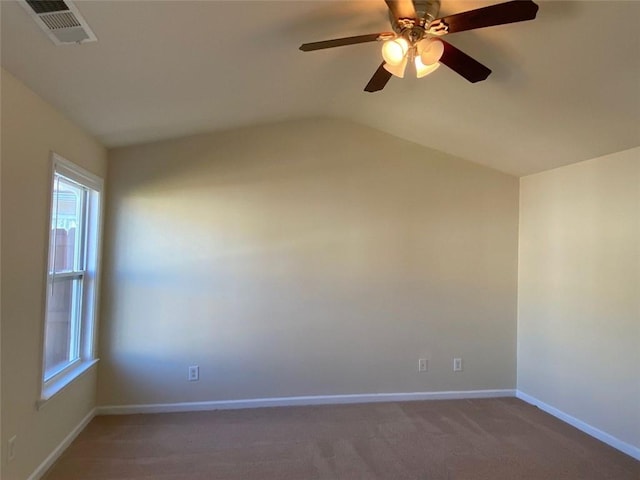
pixel 416 38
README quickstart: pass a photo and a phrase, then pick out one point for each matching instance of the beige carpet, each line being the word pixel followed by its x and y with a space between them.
pixel 493 439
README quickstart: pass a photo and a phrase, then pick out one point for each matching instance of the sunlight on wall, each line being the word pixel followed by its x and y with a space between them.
pixel 269 260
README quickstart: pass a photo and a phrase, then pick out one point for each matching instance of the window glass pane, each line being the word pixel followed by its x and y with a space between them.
pixel 66 222
pixel 62 324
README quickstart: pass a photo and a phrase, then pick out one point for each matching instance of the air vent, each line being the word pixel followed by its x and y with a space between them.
pixel 60 20
pixel 46 6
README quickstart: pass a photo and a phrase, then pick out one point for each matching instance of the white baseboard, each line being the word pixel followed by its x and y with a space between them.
pixel 299 401
pixel 62 446
pixel 616 443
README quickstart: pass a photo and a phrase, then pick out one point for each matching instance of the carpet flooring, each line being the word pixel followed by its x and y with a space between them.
pixel 492 439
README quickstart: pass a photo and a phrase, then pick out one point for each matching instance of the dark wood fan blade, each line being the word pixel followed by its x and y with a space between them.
pixel 339 42
pixel 463 64
pixel 510 12
pixel 379 80
pixel 401 8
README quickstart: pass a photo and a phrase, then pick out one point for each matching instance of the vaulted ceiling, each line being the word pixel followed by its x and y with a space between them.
pixel 565 87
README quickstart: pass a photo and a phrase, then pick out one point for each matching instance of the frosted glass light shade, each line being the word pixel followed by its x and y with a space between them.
pixel 394 51
pixel 430 51
pixel 423 70
pixel 397 70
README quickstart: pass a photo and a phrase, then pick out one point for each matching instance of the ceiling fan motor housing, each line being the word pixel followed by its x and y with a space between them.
pixel 426 12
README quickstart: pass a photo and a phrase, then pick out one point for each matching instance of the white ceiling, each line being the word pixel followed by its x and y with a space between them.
pixel 565 87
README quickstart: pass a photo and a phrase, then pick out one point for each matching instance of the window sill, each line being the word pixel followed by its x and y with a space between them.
pixel 55 387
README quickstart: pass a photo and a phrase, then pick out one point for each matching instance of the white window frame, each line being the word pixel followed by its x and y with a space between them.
pixel 90 294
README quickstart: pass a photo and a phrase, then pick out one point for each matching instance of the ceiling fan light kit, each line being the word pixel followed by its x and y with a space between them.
pixel 397 69
pixel 423 70
pixel 430 50
pixel 394 51
pixel 416 38
pixel 425 54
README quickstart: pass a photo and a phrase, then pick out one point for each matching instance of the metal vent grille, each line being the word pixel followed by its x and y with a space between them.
pixel 47 6
pixel 60 20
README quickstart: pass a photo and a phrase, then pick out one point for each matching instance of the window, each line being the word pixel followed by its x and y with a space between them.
pixel 72 275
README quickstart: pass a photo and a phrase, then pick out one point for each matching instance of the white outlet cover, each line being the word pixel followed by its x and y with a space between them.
pixel 457 364
pixel 423 364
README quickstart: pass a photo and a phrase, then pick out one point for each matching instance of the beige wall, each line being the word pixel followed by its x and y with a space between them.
pixel 31 128
pixel 579 292
pixel 304 258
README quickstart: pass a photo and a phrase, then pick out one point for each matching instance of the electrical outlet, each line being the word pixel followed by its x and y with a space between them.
pixel 11 450
pixel 194 373
pixel 457 364
pixel 422 364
